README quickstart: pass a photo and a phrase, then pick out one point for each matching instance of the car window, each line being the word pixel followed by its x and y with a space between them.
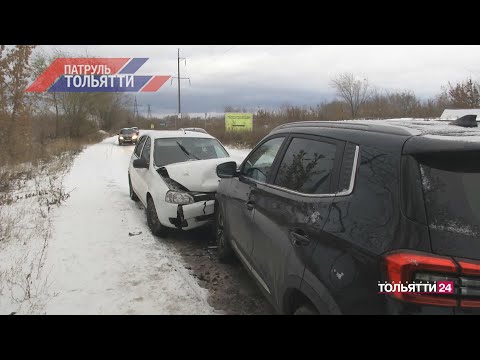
pixel 450 185
pixel 139 146
pixel 259 163
pixel 127 131
pixel 307 166
pixel 174 150
pixel 146 150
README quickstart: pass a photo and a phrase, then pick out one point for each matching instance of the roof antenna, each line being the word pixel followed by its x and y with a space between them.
pixel 466 121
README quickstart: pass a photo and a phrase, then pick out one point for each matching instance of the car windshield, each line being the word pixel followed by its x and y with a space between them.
pixel 127 131
pixel 450 184
pixel 175 150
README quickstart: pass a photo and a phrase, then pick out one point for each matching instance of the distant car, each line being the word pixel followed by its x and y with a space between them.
pixel 194 129
pixel 173 175
pixel 127 135
pixel 345 217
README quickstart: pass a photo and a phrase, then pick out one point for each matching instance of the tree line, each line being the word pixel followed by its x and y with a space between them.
pixel 32 123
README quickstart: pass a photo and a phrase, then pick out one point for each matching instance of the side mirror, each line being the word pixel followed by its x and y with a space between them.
pixel 227 170
pixel 140 164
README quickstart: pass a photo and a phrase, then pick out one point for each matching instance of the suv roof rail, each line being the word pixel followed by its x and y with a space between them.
pixel 393 129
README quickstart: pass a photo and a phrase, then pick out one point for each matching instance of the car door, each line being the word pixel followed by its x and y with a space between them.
pixel 134 173
pixel 143 174
pixel 254 170
pixel 291 210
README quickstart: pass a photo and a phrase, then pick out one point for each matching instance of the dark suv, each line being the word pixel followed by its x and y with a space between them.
pixel 325 214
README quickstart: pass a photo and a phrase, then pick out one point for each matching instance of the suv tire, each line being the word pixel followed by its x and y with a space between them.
pixel 224 248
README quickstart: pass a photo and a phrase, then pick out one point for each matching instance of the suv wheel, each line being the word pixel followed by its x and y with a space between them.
pixel 133 196
pixel 224 249
pixel 306 309
pixel 152 218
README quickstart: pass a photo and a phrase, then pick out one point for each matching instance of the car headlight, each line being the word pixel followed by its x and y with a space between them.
pixel 121 137
pixel 177 197
pixel 134 137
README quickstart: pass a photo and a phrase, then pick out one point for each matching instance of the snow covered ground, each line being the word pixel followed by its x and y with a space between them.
pixel 101 257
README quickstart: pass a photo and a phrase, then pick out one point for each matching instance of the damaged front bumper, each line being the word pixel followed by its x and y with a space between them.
pixel 192 215
pixel 198 213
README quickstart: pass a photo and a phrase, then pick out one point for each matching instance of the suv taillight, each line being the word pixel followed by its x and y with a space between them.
pixel 406 266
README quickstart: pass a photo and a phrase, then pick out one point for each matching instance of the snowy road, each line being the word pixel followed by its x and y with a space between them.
pixel 95 266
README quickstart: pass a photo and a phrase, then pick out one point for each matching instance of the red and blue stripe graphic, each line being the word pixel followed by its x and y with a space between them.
pixel 133 65
pixel 91 75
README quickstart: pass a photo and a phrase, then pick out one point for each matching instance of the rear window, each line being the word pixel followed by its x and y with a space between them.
pixel 451 188
pixel 127 131
pixel 175 150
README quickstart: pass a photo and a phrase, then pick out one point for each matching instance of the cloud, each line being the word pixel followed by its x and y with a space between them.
pixel 269 75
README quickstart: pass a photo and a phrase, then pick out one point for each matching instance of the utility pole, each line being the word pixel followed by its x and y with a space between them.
pixel 149 113
pixel 178 73
pixel 135 109
pixel 179 78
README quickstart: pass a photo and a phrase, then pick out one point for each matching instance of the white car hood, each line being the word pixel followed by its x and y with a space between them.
pixel 197 175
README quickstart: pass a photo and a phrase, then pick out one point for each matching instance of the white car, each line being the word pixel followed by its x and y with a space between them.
pixel 173 173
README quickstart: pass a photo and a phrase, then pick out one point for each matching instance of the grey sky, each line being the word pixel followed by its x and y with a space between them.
pixel 254 76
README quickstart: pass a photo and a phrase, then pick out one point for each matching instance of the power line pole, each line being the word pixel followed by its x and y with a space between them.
pixel 135 109
pixel 149 113
pixel 179 78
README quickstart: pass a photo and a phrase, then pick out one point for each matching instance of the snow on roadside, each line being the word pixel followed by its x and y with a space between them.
pixel 103 257
pixel 25 229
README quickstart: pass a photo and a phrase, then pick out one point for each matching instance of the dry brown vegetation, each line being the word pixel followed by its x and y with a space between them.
pixel 38 126
pixel 357 99
pixel 380 105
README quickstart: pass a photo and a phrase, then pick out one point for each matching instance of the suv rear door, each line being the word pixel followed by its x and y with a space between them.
pixel 291 210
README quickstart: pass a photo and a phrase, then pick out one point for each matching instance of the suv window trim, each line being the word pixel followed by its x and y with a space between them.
pixel 353 176
pixel 299 193
pixel 340 145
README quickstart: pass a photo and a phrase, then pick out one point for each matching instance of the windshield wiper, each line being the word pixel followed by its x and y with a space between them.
pixel 185 151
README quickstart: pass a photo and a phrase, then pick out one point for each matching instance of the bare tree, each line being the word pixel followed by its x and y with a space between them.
pixel 465 94
pixel 354 91
pixel 40 63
